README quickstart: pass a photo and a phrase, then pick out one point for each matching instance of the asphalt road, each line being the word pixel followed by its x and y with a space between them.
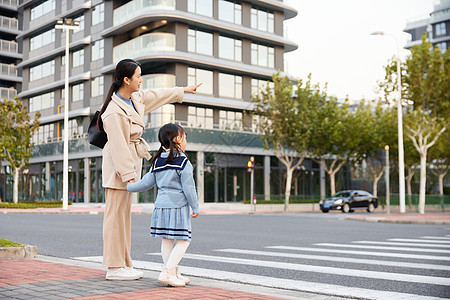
pixel 76 235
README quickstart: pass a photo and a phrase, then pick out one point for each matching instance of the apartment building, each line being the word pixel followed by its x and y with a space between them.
pixel 233 47
pixel 436 25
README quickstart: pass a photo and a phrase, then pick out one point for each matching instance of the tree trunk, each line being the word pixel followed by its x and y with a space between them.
pixel 287 192
pixel 16 186
pixel 375 186
pixel 408 186
pixel 332 183
pixel 441 184
pixel 423 182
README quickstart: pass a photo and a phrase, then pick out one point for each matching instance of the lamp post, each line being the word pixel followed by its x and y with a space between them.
pixel 386 174
pixel 401 158
pixel 66 25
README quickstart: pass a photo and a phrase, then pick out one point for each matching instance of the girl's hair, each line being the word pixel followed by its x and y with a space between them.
pixel 165 136
pixel 124 68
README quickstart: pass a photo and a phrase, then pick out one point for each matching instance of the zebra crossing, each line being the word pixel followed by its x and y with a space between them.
pixel 397 268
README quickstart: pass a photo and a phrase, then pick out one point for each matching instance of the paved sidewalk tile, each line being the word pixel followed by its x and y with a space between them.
pixel 36 279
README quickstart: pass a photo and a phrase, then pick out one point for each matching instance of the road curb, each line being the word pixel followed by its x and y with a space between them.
pixel 399 221
pixel 18 252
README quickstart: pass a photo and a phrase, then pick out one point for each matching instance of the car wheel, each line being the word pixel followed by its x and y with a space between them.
pixel 351 210
pixel 371 208
pixel 345 208
pixel 325 210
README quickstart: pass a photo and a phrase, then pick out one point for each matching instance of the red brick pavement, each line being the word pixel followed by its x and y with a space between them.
pixel 24 271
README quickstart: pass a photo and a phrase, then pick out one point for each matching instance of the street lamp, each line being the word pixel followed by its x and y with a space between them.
pixel 401 157
pixel 386 174
pixel 66 25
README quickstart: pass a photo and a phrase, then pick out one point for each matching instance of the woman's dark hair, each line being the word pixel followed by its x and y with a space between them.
pixel 124 68
pixel 165 136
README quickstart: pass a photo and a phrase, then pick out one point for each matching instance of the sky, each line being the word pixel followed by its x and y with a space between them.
pixel 335 45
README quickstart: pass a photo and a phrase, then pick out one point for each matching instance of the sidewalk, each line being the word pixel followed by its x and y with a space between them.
pixel 57 278
pixel 433 218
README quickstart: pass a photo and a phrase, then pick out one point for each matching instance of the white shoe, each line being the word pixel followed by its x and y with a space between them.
pixel 120 274
pixel 184 278
pixel 135 272
pixel 169 277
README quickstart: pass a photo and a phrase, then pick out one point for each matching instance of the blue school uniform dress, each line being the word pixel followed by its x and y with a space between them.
pixel 176 194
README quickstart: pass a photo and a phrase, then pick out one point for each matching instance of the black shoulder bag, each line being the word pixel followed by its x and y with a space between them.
pixel 97 137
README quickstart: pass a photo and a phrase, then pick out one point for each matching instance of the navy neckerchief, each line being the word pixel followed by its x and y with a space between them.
pixel 178 163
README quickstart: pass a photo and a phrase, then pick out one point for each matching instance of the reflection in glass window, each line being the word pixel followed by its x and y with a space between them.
pixel 42 9
pixel 259 85
pixel 42 39
pixel 230 120
pixel 45 133
pixel 97 86
pixel 196 76
pixel 43 70
pixel 200 42
pixel 78 58
pixel 199 117
pixel 440 29
pixel 230 86
pixel 201 7
pixel 263 56
pixel 230 48
pixel 77 92
pixel 230 11
pixel 262 20
pixel 81 25
pixel 98 14
pixel 43 101
pixel 97 50
pixel 163 115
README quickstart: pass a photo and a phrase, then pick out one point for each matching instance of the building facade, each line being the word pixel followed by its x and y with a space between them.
pixel 436 26
pixel 232 47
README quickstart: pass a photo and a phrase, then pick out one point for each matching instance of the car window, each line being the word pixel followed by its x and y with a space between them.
pixel 342 194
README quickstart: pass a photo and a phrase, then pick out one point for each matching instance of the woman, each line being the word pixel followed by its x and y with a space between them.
pixel 122 117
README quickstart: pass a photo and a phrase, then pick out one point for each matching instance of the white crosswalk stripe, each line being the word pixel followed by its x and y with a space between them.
pixel 435 237
pixel 371 261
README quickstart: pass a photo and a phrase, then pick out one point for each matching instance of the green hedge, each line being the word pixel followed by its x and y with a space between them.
pixel 32 204
pixel 8 243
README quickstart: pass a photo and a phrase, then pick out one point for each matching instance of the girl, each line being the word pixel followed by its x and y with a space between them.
pixel 172 172
pixel 122 118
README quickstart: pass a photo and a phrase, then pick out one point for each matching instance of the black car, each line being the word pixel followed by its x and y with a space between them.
pixel 348 201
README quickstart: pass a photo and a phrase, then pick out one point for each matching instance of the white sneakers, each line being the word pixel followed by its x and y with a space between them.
pixel 169 277
pixel 127 273
pixel 184 278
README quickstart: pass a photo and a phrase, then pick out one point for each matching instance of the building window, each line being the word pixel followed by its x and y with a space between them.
pixel 77 92
pixel 199 117
pixel 42 39
pixel 259 85
pixel 442 46
pixel 262 20
pixel 42 9
pixel 97 50
pixel 200 42
pixel 163 115
pixel 230 48
pixel 263 56
pixel 230 11
pixel 230 120
pixel 230 86
pixel 78 58
pixel 45 133
pixel 441 29
pixel 81 25
pixel 201 7
pixel 43 70
pixel 97 86
pixel 40 102
pixel 196 76
pixel 98 14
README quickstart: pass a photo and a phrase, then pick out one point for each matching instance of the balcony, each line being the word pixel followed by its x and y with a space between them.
pixel 9 23
pixel 8 93
pixel 10 2
pixel 8 70
pixel 134 8
pixel 145 43
pixel 158 81
pixel 9 46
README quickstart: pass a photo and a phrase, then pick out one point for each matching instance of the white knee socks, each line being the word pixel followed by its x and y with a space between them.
pixel 176 254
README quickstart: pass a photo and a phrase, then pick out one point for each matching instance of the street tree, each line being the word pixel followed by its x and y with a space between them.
pixel 277 119
pixel 16 131
pixel 440 159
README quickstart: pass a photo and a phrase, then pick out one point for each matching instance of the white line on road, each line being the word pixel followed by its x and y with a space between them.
pixel 403 244
pixel 288 284
pixel 419 241
pixel 320 269
pixel 365 253
pixel 340 259
pixel 382 248
pixel 435 237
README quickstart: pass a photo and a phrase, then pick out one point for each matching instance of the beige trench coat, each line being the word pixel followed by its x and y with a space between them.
pixel 123 153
